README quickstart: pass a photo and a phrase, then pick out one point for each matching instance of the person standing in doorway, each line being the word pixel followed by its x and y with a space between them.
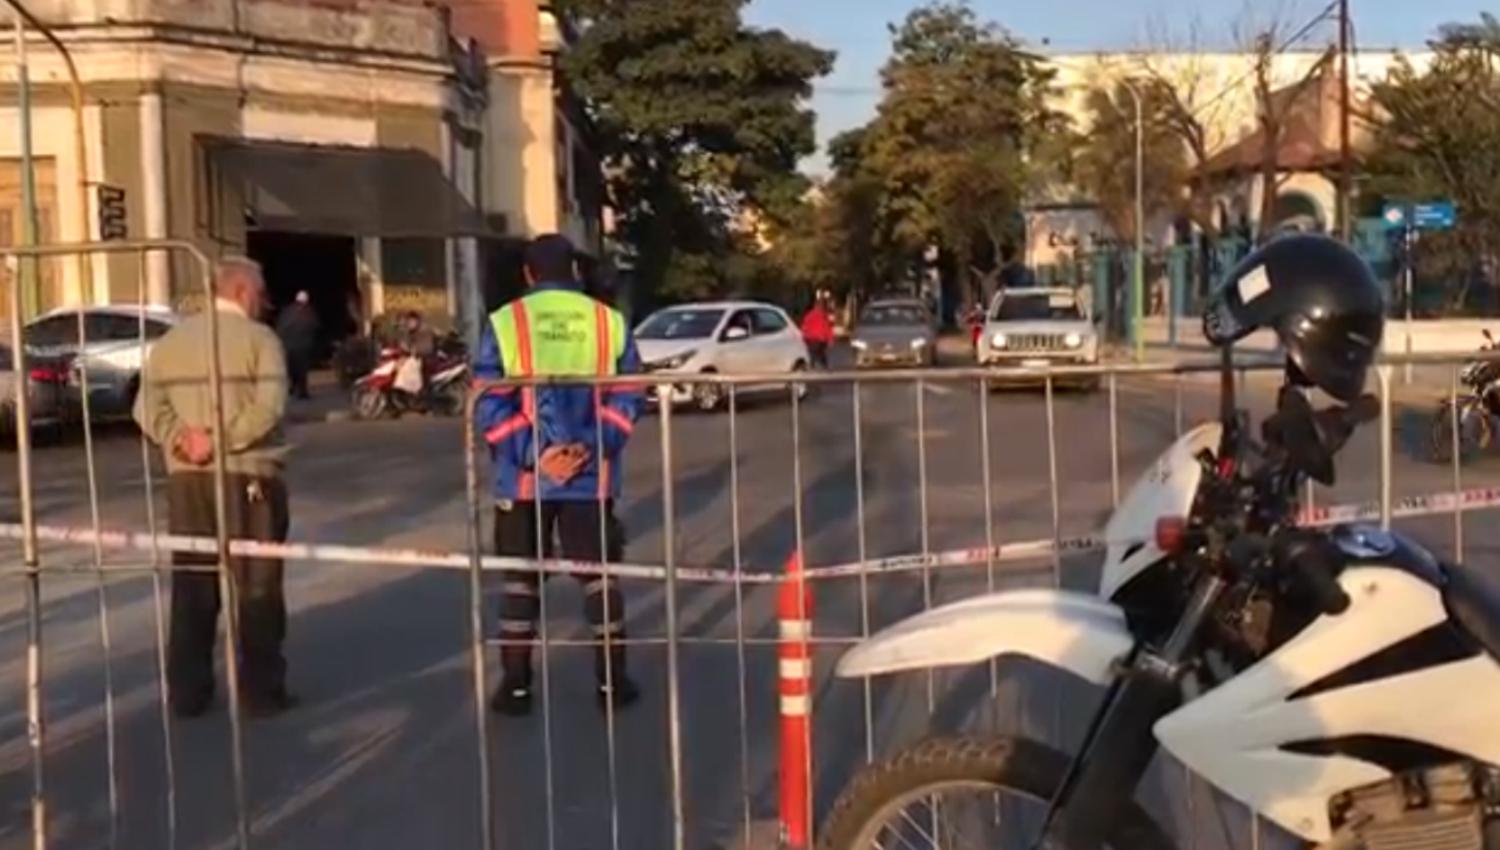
pixel 556 458
pixel 174 409
pixel 298 328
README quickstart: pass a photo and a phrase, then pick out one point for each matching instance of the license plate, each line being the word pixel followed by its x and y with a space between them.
pixel 1035 361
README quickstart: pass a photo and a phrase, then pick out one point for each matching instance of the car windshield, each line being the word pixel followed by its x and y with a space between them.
pixel 892 315
pixel 1039 306
pixel 680 324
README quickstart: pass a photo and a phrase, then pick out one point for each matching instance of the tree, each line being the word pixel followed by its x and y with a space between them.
pixel 700 119
pixel 1187 100
pixel 1434 136
pixel 1106 161
pixel 1273 109
pixel 959 140
pixel 837 242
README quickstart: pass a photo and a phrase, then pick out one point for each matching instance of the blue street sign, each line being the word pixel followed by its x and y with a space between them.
pixel 1429 215
pixel 1436 215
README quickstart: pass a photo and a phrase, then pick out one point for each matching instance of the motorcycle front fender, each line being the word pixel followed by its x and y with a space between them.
pixel 1077 632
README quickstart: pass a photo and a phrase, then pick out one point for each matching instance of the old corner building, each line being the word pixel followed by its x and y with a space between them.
pixel 349 145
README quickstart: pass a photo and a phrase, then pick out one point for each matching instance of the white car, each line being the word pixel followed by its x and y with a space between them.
pixel 1039 327
pixel 719 337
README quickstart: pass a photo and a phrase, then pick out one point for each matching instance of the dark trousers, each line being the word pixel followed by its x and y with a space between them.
pixel 819 353
pixel 297 365
pixel 256 509
pixel 580 536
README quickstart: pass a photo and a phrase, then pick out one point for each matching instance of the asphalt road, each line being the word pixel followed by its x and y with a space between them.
pixel 382 752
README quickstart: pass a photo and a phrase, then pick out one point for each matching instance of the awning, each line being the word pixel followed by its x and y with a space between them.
pixel 345 190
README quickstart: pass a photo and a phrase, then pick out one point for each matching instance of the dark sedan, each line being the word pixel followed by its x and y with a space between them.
pixel 895 333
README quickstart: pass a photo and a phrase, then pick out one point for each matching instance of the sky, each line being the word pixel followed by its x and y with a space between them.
pixel 856 29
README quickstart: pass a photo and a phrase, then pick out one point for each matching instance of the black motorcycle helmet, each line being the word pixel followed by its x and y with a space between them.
pixel 1319 297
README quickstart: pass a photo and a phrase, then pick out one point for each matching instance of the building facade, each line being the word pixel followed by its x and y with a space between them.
pixel 540 171
pixel 335 142
pixel 1221 88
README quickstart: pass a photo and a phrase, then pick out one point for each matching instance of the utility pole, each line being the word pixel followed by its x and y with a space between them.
pixel 1138 276
pixel 1345 212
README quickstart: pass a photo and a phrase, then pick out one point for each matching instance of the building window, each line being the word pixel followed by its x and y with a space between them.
pixel 413 262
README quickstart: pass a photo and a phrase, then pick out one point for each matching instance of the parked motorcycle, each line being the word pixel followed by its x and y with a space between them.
pixel 1478 405
pixel 1341 682
pixel 401 383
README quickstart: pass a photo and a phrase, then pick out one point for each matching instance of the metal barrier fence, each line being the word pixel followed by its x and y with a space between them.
pixel 647 785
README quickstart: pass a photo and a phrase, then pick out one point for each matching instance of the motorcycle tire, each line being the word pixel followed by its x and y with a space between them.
pixel 371 404
pixel 1020 766
pixel 450 400
pixel 1474 433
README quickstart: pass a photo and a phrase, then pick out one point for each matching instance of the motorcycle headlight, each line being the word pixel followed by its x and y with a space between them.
pixel 999 340
pixel 859 344
pixel 1073 340
pixel 918 342
pixel 676 361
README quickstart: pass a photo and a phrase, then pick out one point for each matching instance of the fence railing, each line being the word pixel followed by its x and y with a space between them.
pixel 882 486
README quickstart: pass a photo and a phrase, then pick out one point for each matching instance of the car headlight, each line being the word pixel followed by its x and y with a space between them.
pixel 859 344
pixel 999 340
pixel 1073 340
pixel 918 342
pixel 676 361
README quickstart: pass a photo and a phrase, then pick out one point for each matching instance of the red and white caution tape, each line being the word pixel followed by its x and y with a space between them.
pixel 1008 553
pixel 387 557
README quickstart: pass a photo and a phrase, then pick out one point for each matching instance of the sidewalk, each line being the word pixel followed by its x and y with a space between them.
pixel 329 402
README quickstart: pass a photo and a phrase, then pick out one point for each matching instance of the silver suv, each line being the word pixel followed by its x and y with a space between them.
pixel 112 349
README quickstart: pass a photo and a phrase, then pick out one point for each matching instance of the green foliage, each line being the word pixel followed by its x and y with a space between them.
pixel 1435 136
pixel 1106 156
pixel 837 242
pixel 699 118
pixel 962 138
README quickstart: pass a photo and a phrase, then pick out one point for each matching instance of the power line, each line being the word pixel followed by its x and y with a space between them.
pixel 1302 33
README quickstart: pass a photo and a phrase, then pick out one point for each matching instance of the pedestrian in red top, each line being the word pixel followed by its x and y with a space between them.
pixel 817 330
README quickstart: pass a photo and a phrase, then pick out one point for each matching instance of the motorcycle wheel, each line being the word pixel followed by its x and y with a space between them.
pixel 449 400
pixel 1474 432
pixel 371 403
pixel 932 794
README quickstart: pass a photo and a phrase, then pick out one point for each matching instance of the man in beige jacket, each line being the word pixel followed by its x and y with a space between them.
pixel 174 409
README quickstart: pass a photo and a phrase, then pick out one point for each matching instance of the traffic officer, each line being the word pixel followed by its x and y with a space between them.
pixel 555 453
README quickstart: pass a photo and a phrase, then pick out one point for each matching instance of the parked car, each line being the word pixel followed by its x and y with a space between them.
pixel 895 332
pixel 45 384
pixel 1039 327
pixel 722 337
pixel 111 349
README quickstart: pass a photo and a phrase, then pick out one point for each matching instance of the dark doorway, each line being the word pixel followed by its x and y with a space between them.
pixel 324 266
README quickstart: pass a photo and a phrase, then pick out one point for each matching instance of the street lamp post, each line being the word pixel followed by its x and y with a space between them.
pixel 1138 282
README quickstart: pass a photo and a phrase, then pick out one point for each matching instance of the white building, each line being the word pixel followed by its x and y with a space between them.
pixel 1220 86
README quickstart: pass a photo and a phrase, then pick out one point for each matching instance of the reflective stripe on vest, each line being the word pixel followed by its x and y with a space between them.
pixel 560 332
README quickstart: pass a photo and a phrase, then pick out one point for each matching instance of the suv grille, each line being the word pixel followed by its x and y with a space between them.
pixel 1034 342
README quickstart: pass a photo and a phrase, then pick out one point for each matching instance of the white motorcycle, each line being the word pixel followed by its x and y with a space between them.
pixel 1347 683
